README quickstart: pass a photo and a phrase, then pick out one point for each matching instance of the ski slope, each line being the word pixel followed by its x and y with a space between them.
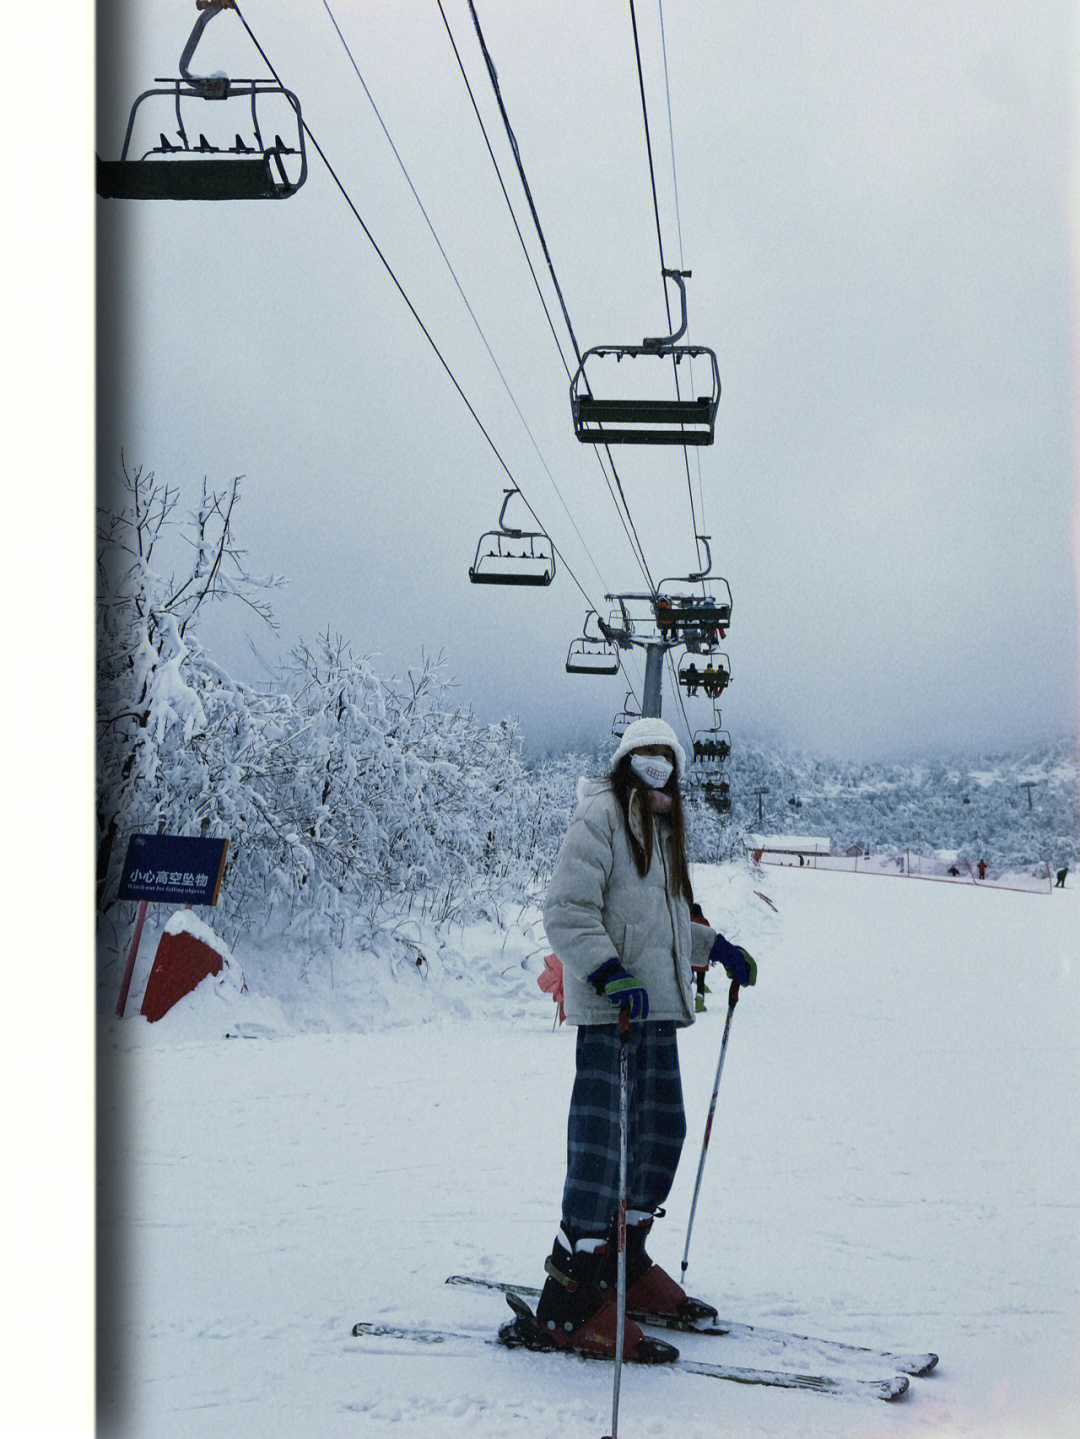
pixel 894 1162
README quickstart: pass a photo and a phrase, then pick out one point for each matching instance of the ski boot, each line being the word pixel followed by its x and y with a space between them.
pixel 651 1293
pixel 575 1313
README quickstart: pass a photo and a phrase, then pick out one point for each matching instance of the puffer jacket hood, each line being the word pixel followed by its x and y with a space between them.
pixel 598 907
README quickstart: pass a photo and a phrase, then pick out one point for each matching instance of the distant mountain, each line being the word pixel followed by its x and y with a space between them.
pixel 1008 808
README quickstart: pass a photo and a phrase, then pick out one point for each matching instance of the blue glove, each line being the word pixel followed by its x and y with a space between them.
pixel 739 963
pixel 625 992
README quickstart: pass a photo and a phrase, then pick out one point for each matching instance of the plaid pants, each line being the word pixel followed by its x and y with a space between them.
pixel 657 1124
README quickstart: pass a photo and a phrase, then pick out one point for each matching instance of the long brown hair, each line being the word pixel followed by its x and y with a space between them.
pixel 623 783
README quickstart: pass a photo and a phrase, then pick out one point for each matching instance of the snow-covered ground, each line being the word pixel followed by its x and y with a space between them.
pixel 894 1161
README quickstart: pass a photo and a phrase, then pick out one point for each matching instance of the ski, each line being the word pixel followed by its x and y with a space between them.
pixel 510 1338
pixel 906 1363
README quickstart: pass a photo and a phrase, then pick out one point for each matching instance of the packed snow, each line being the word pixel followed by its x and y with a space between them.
pixel 893 1163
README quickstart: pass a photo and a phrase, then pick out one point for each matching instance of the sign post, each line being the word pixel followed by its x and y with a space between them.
pixel 171 869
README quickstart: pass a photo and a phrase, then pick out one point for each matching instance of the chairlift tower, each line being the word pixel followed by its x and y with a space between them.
pixel 620 631
pixel 652 699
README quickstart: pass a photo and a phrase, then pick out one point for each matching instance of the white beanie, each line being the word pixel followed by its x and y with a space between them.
pixel 651 731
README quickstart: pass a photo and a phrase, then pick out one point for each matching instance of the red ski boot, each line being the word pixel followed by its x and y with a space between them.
pixel 651 1293
pixel 574 1312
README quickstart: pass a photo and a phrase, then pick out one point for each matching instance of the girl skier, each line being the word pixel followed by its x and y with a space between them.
pixel 618 916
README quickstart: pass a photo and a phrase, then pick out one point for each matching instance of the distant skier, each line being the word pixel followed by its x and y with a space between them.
pixel 1061 877
pixel 982 868
pixel 617 914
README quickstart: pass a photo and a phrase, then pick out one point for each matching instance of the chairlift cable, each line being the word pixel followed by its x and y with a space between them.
pixel 412 309
pixel 634 539
pixel 681 702
pixel 502 186
pixel 635 543
pixel 671 131
pixel 521 172
pixel 682 265
pixel 461 292
pixel 682 260
pixel 660 237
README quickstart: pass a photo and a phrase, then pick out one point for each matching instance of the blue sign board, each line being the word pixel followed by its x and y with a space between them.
pixel 173 869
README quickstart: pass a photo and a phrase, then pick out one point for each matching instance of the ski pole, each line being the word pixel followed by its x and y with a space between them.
pixel 620 1224
pixel 733 999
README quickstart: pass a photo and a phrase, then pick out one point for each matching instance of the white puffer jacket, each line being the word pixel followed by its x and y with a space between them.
pixel 598 907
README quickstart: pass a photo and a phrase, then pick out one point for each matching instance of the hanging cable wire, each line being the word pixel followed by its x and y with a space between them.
pixel 624 513
pixel 506 195
pixel 625 520
pixel 679 698
pixel 493 74
pixel 412 309
pixel 461 292
pixel 660 247
pixel 682 261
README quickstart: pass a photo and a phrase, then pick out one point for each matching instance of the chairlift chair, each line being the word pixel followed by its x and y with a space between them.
pixel 592 657
pixel 711 747
pixel 592 654
pixel 699 621
pixel 509 556
pixel 241 163
pixel 647 421
pixel 625 718
pixel 710 679
pixel 718 794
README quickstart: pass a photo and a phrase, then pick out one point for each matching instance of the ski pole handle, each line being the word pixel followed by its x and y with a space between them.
pixel 624 1024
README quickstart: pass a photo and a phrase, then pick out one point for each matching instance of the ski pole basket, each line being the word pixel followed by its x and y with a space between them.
pixel 193 137
pixel 642 419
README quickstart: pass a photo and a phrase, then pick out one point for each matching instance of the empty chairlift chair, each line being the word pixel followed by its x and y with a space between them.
pixel 646 421
pixel 508 556
pixel 625 717
pixel 160 161
pixel 592 655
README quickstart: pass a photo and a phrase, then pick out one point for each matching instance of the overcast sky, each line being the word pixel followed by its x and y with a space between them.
pixel 874 203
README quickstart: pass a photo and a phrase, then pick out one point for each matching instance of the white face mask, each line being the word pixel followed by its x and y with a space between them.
pixel 653 769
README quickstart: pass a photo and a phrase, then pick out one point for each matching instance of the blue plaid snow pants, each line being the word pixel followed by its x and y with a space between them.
pixel 657 1124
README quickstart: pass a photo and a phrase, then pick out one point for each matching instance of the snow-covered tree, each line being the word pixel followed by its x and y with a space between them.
pixel 180 743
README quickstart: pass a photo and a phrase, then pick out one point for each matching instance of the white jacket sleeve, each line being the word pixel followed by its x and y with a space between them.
pixel 702 939
pixel 573 909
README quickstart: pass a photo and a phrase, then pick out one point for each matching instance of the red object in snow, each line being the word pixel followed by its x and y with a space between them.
pixel 551 982
pixel 180 963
